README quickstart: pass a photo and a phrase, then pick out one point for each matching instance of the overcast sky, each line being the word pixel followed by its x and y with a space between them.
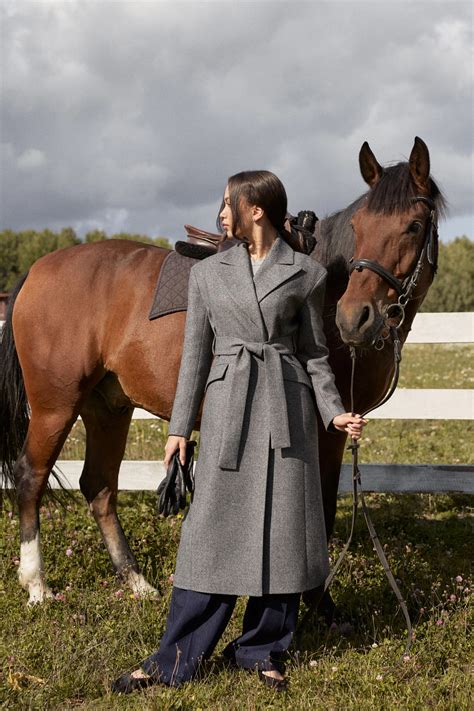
pixel 129 116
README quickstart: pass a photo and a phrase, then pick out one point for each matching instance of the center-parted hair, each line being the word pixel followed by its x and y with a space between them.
pixel 261 188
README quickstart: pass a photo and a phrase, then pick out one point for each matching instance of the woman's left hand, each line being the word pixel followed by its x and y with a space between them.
pixel 352 424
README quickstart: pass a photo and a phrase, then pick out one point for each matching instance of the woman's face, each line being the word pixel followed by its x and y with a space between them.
pixel 246 217
pixel 226 214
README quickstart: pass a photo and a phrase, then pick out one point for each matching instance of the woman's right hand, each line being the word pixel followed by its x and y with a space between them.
pixel 173 443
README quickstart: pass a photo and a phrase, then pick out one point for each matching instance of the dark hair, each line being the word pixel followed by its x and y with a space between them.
pixel 261 188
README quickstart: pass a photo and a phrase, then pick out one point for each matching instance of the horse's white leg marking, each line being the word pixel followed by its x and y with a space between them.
pixel 30 572
pixel 138 584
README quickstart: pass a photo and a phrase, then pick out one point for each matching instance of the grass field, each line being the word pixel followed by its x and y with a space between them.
pixel 64 654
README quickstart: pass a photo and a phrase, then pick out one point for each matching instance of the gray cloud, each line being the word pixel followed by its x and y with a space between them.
pixel 131 115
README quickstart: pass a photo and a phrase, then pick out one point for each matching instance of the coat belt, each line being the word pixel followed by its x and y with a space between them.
pixel 275 395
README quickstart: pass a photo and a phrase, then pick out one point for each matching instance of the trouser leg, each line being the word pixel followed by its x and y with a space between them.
pixel 195 624
pixel 268 627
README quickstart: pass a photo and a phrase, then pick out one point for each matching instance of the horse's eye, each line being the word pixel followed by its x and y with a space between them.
pixel 415 227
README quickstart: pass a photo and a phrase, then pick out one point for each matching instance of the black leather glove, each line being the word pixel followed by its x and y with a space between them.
pixel 179 479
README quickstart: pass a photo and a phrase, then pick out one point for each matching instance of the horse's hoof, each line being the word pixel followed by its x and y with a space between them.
pixel 38 594
pixel 140 586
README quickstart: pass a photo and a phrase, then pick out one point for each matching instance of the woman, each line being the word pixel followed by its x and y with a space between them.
pixel 254 346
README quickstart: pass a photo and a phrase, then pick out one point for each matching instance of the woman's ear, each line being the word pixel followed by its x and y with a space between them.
pixel 257 213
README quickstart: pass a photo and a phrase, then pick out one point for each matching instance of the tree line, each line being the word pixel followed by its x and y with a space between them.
pixel 19 250
pixel 452 290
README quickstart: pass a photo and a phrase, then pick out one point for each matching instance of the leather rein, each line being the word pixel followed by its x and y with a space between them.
pixel 404 290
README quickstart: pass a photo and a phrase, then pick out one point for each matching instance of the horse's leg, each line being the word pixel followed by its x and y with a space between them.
pixel 46 435
pixel 106 437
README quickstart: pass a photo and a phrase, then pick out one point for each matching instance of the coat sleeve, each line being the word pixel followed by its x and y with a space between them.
pixel 195 363
pixel 313 353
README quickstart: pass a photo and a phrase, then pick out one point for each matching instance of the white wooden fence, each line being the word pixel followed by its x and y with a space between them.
pixel 407 403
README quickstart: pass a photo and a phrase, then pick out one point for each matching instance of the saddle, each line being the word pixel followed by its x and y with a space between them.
pixel 171 292
pixel 298 233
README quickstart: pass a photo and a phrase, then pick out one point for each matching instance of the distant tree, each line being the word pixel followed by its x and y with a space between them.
pixel 163 242
pixel 19 250
pixel 95 236
pixel 134 237
pixel 33 245
pixel 9 270
pixel 98 235
pixel 453 287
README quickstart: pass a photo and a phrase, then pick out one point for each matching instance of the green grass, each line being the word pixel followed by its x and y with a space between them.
pixel 437 366
pixel 65 653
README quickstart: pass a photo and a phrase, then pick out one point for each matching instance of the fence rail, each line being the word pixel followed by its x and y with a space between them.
pixel 396 478
pixel 442 404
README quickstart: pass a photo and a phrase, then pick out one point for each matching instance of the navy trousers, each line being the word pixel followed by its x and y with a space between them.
pixel 196 621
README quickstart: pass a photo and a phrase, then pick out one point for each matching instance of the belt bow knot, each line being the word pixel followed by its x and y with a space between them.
pixel 275 396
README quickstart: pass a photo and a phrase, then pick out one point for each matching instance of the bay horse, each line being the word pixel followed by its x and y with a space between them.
pixel 77 341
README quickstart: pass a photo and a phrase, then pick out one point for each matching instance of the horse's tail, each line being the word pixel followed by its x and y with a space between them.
pixel 14 417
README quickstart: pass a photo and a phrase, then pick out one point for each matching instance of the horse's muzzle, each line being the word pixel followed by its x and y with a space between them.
pixel 359 324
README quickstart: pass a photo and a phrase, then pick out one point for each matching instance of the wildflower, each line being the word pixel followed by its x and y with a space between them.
pixel 440 622
pixel 406 658
pixel 118 593
pixel 61 597
pixel 69 552
pixel 453 597
pixel 68 588
pixel 10 514
pixel 379 677
pixel 458 578
pixel 334 669
pixel 104 583
pixel 374 645
pixel 171 579
pixel 313 663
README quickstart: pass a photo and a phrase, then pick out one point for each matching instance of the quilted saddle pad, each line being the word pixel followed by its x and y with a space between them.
pixel 171 292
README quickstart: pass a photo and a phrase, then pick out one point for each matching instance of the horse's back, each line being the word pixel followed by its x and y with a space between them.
pixel 80 300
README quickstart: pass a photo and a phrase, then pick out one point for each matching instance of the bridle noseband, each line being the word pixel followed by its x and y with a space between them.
pixel 406 287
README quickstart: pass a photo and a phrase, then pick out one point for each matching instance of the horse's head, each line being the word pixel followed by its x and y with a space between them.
pixel 395 245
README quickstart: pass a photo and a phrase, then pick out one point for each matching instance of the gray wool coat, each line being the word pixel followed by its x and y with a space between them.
pixel 255 349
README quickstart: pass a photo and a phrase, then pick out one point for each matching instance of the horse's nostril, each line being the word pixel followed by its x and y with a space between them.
pixel 364 317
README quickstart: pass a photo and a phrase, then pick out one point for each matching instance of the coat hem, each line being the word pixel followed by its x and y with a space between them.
pixel 247 592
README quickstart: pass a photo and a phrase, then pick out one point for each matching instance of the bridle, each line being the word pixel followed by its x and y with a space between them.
pixel 405 288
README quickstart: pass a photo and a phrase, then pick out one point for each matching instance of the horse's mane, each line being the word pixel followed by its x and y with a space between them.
pixel 390 195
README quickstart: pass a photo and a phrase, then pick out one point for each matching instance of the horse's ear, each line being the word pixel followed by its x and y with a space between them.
pixel 369 167
pixel 420 164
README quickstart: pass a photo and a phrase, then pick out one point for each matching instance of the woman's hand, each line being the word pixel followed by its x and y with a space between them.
pixel 173 443
pixel 352 424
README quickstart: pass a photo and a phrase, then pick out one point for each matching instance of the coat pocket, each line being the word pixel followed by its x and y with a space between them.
pixel 217 372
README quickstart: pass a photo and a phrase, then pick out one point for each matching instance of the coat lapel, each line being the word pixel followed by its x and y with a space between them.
pixel 278 266
pixel 236 275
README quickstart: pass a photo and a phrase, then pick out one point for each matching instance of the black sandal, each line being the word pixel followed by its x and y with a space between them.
pixel 270 681
pixel 126 683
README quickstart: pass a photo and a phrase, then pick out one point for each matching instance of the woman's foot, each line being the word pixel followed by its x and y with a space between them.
pixel 126 683
pixel 274 679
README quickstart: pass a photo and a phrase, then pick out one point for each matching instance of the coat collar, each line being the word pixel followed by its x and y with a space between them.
pixel 236 272
pixel 278 266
